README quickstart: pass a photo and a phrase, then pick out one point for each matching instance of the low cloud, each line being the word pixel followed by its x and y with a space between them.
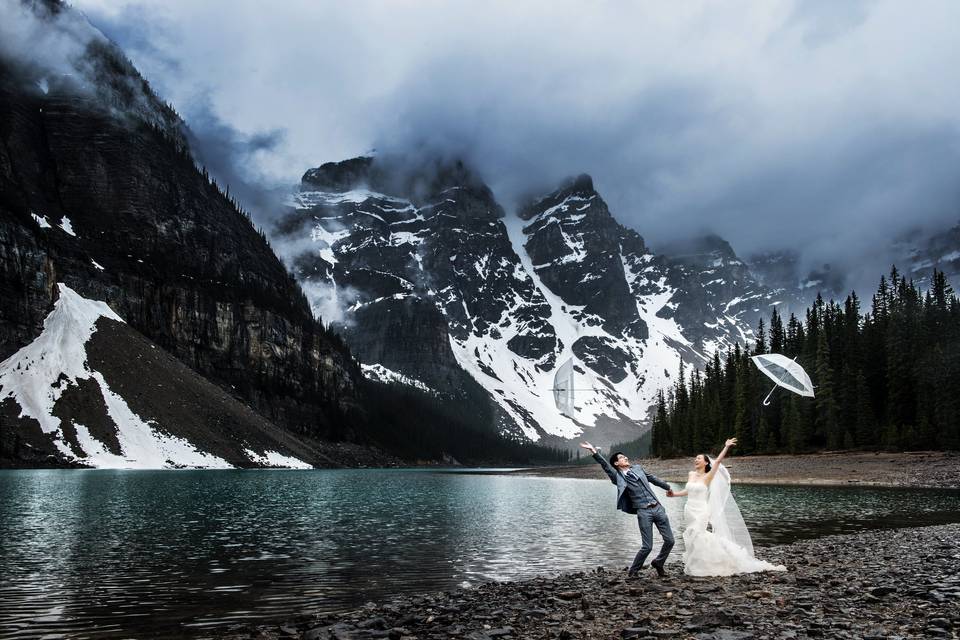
pixel 330 303
pixel 826 128
pixel 44 41
pixel 232 157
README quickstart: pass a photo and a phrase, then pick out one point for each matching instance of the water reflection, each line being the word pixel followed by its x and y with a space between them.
pixel 121 553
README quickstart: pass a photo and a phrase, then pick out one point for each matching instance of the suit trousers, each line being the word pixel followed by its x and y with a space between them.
pixel 646 518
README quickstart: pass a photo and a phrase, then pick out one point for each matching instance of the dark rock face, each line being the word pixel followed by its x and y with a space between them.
pixel 158 389
pixel 407 335
pixel 575 245
pixel 113 206
pixel 603 356
pixel 400 275
pixel 340 176
pixel 718 298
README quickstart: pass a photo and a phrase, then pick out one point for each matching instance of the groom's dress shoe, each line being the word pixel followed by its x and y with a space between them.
pixel 659 567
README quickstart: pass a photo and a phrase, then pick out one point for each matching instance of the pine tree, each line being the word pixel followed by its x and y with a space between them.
pixel 658 445
pixel 777 336
pixel 826 430
pixel 760 346
pixel 793 427
pixel 889 378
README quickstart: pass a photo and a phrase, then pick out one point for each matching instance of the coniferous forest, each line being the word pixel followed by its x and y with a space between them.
pixel 886 377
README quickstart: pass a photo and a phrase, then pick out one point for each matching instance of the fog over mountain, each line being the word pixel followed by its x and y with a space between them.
pixel 827 128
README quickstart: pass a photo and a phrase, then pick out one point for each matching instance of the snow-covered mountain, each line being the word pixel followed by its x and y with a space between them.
pixel 96 392
pixel 940 251
pixel 430 280
pixel 99 191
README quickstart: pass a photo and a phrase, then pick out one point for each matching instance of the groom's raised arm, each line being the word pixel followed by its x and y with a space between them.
pixel 603 462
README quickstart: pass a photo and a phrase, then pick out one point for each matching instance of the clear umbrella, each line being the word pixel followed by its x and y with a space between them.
pixel 785 372
pixel 563 388
pixel 564 391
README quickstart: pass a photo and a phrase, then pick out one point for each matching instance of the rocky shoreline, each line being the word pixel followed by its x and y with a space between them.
pixel 915 469
pixel 900 583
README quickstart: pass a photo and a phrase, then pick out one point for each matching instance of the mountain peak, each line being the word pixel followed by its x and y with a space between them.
pixel 576 188
pixel 339 176
pixel 708 245
pixel 582 182
pixel 418 179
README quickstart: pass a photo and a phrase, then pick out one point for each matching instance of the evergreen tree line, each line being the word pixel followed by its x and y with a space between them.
pixel 633 449
pixel 885 379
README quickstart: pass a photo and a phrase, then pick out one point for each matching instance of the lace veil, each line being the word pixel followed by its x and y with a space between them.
pixel 725 515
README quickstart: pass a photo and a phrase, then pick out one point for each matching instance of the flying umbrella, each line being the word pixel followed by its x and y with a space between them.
pixel 563 389
pixel 785 372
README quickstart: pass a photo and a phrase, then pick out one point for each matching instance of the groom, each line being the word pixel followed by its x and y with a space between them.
pixel 634 495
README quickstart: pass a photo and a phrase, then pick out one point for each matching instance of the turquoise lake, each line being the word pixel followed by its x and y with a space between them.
pixel 90 553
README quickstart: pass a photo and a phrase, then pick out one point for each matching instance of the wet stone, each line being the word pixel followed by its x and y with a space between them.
pixel 855 595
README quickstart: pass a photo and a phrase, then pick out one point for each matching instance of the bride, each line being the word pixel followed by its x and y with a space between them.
pixel 715 541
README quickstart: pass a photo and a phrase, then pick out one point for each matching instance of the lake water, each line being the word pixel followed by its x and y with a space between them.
pixel 165 553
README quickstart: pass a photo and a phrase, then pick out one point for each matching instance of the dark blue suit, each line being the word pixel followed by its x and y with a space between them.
pixel 632 498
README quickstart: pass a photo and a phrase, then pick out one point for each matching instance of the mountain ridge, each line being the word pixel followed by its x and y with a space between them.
pixel 514 295
pixel 99 192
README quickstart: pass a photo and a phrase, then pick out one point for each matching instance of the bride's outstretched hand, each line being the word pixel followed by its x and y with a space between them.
pixel 720 458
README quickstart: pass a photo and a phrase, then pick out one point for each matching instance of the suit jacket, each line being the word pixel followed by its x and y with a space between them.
pixel 616 477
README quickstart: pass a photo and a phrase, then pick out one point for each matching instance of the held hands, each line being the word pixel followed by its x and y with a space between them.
pixel 671 494
pixel 589 447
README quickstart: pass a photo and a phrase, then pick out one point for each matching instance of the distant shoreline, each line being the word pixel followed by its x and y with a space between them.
pixel 910 470
pixel 917 470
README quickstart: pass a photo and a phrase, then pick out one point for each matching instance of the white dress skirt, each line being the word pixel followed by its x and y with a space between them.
pixel 708 552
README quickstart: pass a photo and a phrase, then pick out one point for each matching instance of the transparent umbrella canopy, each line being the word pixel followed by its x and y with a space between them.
pixel 785 373
pixel 563 391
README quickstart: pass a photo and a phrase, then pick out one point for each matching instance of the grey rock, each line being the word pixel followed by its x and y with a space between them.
pixel 726 634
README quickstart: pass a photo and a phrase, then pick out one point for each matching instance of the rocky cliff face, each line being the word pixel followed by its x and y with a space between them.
pixel 91 391
pixel 390 262
pixel 98 191
pixel 430 281
pixel 719 297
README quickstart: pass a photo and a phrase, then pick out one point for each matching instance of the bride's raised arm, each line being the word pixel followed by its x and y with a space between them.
pixel 720 458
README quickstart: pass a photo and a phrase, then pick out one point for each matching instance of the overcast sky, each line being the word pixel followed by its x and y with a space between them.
pixel 826 126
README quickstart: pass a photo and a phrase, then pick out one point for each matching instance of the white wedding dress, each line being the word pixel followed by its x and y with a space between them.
pixel 725 548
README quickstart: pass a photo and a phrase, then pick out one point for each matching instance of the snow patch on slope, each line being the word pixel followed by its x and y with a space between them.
pixel 380 373
pixel 67 226
pixel 525 390
pixel 276 459
pixel 37 375
pixel 310 199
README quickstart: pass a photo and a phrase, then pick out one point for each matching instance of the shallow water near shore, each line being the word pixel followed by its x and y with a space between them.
pixel 143 553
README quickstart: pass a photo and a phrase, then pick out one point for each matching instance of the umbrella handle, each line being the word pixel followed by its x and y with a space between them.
pixel 766 401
